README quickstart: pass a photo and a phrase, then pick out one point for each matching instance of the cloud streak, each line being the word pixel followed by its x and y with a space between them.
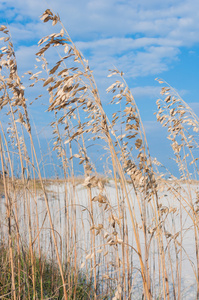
pixel 139 38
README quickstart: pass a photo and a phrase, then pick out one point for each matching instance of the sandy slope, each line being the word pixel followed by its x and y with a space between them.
pixel 78 207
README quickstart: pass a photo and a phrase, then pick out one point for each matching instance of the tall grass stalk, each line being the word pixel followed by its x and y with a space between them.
pixel 120 235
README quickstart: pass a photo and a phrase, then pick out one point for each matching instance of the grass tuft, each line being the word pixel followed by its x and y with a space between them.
pixel 125 234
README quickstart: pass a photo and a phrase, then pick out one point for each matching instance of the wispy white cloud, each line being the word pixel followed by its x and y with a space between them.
pixel 114 18
pixel 146 91
pixel 139 37
pixel 26 57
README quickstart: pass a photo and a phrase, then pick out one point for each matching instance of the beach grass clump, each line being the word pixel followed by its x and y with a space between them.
pixel 44 268
pixel 121 235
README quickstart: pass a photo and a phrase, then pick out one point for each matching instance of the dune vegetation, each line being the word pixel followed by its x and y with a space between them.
pixel 127 234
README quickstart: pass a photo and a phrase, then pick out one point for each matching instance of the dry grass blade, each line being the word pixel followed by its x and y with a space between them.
pixel 120 235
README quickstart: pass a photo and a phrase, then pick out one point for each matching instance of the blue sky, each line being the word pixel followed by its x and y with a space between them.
pixel 144 39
